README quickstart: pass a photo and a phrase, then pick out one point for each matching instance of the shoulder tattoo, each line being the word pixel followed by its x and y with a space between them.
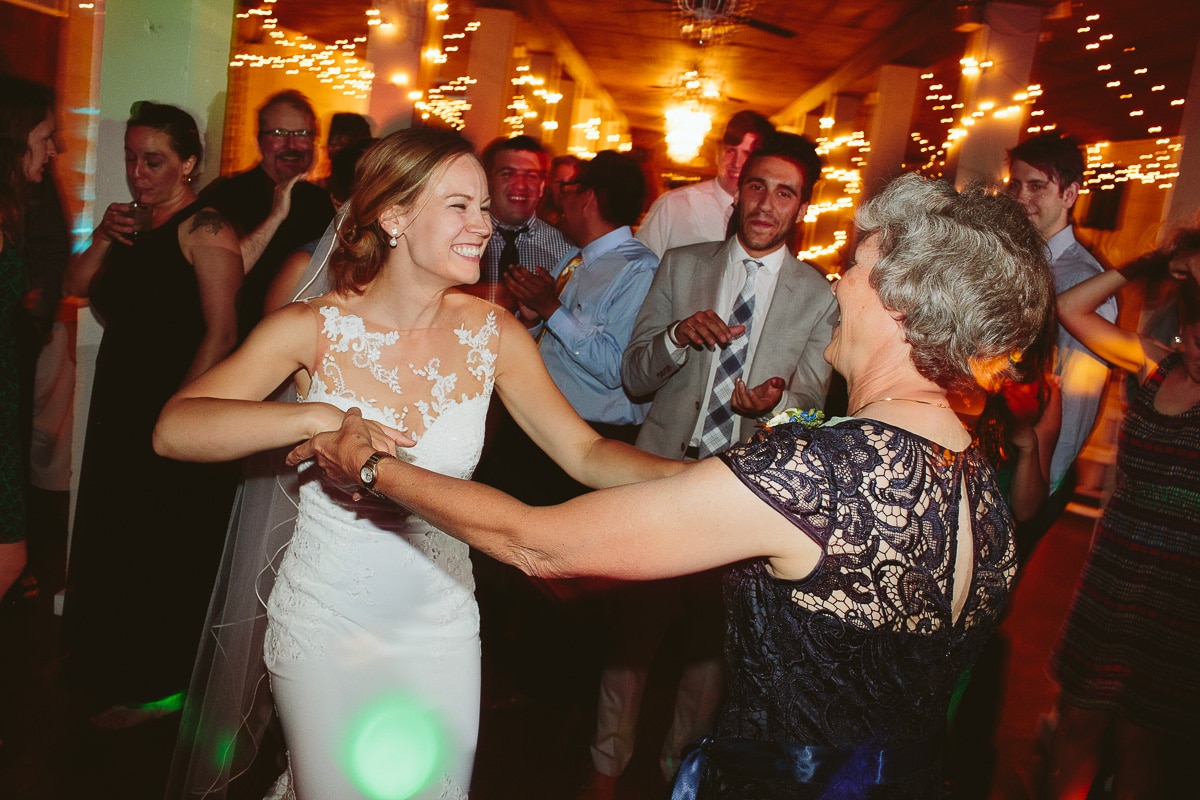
pixel 208 219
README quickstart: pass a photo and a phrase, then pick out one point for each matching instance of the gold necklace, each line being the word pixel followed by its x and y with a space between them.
pixel 898 400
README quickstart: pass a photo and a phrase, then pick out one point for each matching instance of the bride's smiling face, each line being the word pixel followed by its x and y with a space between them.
pixel 446 230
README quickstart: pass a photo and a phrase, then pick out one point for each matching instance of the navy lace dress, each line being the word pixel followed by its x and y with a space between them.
pixel 863 655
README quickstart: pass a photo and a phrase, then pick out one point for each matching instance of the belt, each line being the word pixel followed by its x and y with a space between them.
pixel 855 768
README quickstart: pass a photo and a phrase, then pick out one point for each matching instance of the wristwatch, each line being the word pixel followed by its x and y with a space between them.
pixel 368 473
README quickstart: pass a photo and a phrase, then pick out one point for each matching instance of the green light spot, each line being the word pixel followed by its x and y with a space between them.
pixel 168 705
pixel 394 748
pixel 223 751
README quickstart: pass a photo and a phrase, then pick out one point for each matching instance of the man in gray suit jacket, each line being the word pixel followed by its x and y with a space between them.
pixel 682 330
pixel 682 324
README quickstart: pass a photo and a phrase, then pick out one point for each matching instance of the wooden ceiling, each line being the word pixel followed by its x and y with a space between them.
pixel 635 50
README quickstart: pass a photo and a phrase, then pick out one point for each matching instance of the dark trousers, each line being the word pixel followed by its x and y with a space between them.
pixel 535 633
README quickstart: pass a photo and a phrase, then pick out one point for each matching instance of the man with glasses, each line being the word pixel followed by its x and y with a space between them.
pixel 1045 176
pixel 516 171
pixel 700 212
pixel 273 208
pixel 563 171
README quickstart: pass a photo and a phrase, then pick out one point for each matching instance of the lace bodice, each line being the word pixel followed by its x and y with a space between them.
pixel 434 385
pixel 866 650
pixel 399 379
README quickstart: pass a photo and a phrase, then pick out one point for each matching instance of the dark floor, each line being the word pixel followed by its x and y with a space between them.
pixel 535 750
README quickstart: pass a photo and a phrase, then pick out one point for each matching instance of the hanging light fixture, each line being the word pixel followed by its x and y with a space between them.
pixel 689 118
pixel 707 21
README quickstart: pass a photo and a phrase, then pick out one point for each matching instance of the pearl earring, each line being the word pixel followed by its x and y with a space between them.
pixel 393 241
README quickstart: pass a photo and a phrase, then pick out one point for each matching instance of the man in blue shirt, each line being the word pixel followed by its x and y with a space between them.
pixel 584 309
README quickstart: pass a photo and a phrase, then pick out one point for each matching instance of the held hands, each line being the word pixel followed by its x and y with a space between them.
pixel 759 400
pixel 705 329
pixel 534 290
pixel 341 453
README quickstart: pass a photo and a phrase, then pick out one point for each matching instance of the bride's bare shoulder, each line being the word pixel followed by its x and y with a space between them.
pixel 323 301
pixel 475 310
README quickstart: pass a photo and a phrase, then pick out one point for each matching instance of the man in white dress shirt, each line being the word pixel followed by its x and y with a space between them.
pixel 585 308
pixel 700 212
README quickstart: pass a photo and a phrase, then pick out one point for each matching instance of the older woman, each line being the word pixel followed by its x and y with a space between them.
pixel 873 555
pixel 147 534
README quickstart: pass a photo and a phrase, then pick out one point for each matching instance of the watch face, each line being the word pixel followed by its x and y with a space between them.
pixel 366 475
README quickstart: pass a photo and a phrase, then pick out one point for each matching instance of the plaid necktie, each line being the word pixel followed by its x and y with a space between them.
pixel 718 427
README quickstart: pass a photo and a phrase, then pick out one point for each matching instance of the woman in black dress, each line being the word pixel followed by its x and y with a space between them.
pixel 148 531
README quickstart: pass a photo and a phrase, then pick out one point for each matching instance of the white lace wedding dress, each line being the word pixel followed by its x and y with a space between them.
pixel 373 631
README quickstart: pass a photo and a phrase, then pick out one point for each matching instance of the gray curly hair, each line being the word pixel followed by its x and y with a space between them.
pixel 967 273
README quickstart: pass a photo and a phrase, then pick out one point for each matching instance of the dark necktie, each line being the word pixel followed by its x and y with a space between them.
pixel 719 427
pixel 509 255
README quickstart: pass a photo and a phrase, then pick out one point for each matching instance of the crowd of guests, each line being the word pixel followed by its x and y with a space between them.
pixel 641 391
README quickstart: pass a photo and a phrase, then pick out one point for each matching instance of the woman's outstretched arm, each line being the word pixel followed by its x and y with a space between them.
pixel 222 414
pixel 1077 313
pixel 536 404
pixel 698 519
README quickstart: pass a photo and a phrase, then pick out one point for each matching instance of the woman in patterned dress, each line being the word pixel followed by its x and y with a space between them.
pixel 1128 657
pixel 871 556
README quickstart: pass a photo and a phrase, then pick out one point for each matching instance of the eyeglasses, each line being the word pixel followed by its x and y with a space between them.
pixel 284 133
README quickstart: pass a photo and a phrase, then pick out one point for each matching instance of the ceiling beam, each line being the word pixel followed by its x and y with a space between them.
pixel 539 16
pixel 927 23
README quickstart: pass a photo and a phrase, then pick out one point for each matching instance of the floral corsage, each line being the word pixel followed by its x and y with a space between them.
pixel 812 418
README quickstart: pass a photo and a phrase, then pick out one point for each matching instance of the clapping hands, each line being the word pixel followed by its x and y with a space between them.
pixel 705 329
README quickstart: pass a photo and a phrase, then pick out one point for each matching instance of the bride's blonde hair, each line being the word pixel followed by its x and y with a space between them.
pixel 394 171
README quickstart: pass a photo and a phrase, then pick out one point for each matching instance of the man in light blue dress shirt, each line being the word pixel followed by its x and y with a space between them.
pixel 1045 176
pixel 584 309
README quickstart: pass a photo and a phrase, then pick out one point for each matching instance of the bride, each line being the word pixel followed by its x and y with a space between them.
pixel 372 638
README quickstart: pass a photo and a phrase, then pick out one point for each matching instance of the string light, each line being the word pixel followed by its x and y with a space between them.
pixel 336 65
pixel 448 101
